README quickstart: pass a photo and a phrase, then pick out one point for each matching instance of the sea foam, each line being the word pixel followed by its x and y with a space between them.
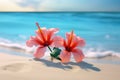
pixel 89 53
pixel 99 54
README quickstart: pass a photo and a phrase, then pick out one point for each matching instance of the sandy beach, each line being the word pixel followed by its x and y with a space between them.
pixel 22 68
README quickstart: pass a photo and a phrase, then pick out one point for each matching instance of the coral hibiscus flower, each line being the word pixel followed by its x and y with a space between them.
pixel 44 38
pixel 72 46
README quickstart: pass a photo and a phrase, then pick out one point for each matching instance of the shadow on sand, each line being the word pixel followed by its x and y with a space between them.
pixel 83 65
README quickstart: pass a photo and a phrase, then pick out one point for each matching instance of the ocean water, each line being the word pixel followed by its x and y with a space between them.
pixel 100 30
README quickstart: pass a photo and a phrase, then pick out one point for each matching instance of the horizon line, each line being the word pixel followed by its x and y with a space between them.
pixel 61 11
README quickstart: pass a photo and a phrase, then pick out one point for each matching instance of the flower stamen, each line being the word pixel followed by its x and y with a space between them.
pixel 70 39
pixel 40 31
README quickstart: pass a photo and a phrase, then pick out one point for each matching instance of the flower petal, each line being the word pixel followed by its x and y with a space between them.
pixel 65 56
pixel 78 55
pixel 29 43
pixel 57 41
pixel 81 42
pixel 40 52
pixel 33 41
pixel 77 42
pixel 51 32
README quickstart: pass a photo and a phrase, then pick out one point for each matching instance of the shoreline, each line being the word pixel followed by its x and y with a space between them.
pixel 21 68
pixel 23 53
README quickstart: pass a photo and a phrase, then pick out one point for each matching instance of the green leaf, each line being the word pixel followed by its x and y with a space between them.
pixel 56 52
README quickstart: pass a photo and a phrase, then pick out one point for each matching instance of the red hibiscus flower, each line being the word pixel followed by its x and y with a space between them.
pixel 72 46
pixel 43 39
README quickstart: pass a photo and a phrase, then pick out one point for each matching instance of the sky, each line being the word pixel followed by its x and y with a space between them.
pixel 59 5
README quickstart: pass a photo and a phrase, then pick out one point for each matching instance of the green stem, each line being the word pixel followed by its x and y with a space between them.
pixel 49 48
pixel 51 51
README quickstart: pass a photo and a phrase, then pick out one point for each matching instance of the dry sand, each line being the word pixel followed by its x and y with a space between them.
pixel 22 68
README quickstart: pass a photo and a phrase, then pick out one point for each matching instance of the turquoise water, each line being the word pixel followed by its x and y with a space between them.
pixel 101 31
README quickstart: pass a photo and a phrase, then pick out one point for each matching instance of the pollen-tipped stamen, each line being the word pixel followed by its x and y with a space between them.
pixel 70 38
pixel 37 24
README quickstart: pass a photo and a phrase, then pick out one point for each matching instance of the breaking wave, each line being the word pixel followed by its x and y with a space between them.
pixel 89 53
pixel 14 45
pixel 100 54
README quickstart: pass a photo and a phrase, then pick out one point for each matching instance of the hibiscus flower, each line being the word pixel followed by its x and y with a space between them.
pixel 44 38
pixel 72 45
